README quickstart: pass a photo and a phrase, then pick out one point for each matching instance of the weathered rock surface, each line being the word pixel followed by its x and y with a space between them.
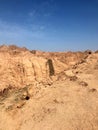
pixel 20 67
pixel 48 90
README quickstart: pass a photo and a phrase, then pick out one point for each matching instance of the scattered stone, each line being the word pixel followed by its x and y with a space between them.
pixel 69 73
pixel 93 90
pixel 83 83
pixel 73 78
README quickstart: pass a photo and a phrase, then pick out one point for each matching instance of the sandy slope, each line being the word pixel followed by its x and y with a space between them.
pixel 64 105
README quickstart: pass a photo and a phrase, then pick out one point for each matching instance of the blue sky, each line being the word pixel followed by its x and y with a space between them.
pixel 50 25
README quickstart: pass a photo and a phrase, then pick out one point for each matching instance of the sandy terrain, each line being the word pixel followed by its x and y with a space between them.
pixel 48 91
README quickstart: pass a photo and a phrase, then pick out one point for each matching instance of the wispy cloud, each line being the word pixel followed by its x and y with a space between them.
pixel 44 9
pixel 17 33
pixel 36 37
pixel 32 13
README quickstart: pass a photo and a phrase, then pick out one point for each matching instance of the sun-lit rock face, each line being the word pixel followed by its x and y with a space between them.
pixel 48 90
pixel 19 66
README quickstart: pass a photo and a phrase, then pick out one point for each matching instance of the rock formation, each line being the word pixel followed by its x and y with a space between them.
pixel 48 90
pixel 20 67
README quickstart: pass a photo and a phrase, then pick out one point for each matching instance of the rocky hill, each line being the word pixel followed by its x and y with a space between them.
pixel 20 67
pixel 48 90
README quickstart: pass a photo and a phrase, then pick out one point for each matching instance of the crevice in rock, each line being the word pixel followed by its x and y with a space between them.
pixel 27 97
pixel 51 67
pixel 34 71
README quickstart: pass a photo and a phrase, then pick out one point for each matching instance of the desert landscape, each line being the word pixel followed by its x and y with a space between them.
pixel 48 90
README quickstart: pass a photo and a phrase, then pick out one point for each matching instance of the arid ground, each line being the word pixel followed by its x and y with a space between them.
pixel 48 90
